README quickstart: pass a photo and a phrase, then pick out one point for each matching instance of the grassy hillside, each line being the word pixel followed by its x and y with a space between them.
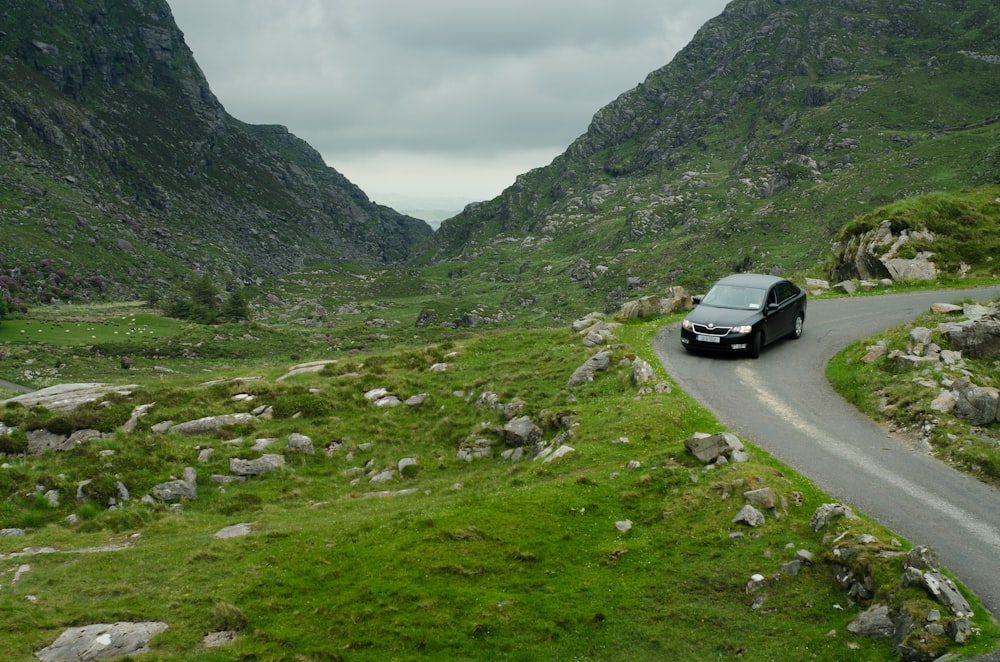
pixel 467 560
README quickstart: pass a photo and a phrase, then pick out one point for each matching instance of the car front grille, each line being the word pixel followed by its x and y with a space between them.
pixel 703 330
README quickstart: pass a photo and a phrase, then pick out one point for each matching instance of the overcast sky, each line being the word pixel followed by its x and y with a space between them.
pixel 441 100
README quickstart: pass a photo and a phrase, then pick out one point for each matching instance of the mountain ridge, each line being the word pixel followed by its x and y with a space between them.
pixel 119 148
pixel 774 127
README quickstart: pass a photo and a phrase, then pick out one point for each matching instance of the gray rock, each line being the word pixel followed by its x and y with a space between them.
pixel 764 498
pixel 300 443
pixel 827 513
pixel 920 336
pixel 383 476
pixel 210 424
pixel 40 441
pixel 710 447
pixel 69 397
pixel 408 467
pixel 676 298
pixel 559 453
pixel 980 405
pixel 922 557
pixel 234 531
pixel 945 592
pixel 101 642
pixel 977 339
pixel 750 516
pixel 263 464
pixel 642 372
pixel 417 400
pixel 643 307
pixel 176 490
pixel 944 403
pixel 874 623
pixel 521 431
pixel 585 373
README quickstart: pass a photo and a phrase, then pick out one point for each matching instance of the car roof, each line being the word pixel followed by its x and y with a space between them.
pixel 762 281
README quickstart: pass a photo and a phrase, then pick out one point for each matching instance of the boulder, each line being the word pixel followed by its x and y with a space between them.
pixel 874 255
pixel 642 372
pixel 585 373
pixel 980 405
pixel 300 443
pixel 175 490
pixel 676 298
pixel 750 516
pixel 210 424
pixel 829 512
pixel 710 447
pixel 977 339
pixel 69 397
pixel 559 453
pixel 874 623
pixel 101 642
pixel 945 592
pixel 40 441
pixel 263 464
pixel 644 307
pixel 762 498
pixel 521 431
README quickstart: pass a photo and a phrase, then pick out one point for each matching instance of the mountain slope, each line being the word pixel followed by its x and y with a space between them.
pixel 120 166
pixel 775 126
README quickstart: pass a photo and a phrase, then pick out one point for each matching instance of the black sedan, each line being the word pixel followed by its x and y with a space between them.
pixel 744 312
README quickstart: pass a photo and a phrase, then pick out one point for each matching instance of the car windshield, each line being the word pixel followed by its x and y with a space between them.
pixel 729 296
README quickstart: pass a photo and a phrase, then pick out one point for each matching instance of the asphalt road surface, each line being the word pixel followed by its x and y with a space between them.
pixel 783 403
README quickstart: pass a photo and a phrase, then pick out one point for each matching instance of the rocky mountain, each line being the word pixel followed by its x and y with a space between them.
pixel 121 171
pixel 781 121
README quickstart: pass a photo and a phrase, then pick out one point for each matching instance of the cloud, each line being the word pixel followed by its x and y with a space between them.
pixel 401 90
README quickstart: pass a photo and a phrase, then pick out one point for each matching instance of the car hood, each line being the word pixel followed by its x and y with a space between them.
pixel 704 314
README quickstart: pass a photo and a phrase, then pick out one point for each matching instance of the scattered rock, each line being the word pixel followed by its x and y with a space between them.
pixel 874 623
pixel 175 490
pixel 750 516
pixel 827 513
pixel 69 397
pixel 234 531
pixel 585 373
pixel 764 498
pixel 263 464
pixel 521 431
pixel 101 642
pixel 710 447
pixel 559 453
pixel 209 424
pixel 300 443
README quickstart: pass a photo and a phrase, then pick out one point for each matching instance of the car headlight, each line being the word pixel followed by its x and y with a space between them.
pixel 746 328
pixel 686 324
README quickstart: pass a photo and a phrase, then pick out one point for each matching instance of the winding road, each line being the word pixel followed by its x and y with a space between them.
pixel 783 403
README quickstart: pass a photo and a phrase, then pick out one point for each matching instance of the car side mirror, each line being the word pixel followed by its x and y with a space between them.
pixel 697 299
pixel 771 307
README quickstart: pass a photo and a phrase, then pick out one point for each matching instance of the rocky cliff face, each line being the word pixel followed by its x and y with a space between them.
pixel 122 171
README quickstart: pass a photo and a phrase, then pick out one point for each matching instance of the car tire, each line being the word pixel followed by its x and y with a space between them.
pixel 753 349
pixel 800 321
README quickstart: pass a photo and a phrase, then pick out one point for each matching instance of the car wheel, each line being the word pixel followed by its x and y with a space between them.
pixel 800 321
pixel 753 349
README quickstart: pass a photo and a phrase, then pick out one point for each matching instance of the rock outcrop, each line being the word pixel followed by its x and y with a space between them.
pixel 874 255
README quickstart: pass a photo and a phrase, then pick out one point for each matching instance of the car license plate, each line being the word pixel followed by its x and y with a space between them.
pixel 701 338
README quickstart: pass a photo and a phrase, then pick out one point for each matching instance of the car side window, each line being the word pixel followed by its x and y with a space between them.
pixel 772 296
pixel 785 291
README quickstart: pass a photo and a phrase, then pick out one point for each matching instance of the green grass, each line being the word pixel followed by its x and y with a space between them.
pixel 887 392
pixel 488 559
